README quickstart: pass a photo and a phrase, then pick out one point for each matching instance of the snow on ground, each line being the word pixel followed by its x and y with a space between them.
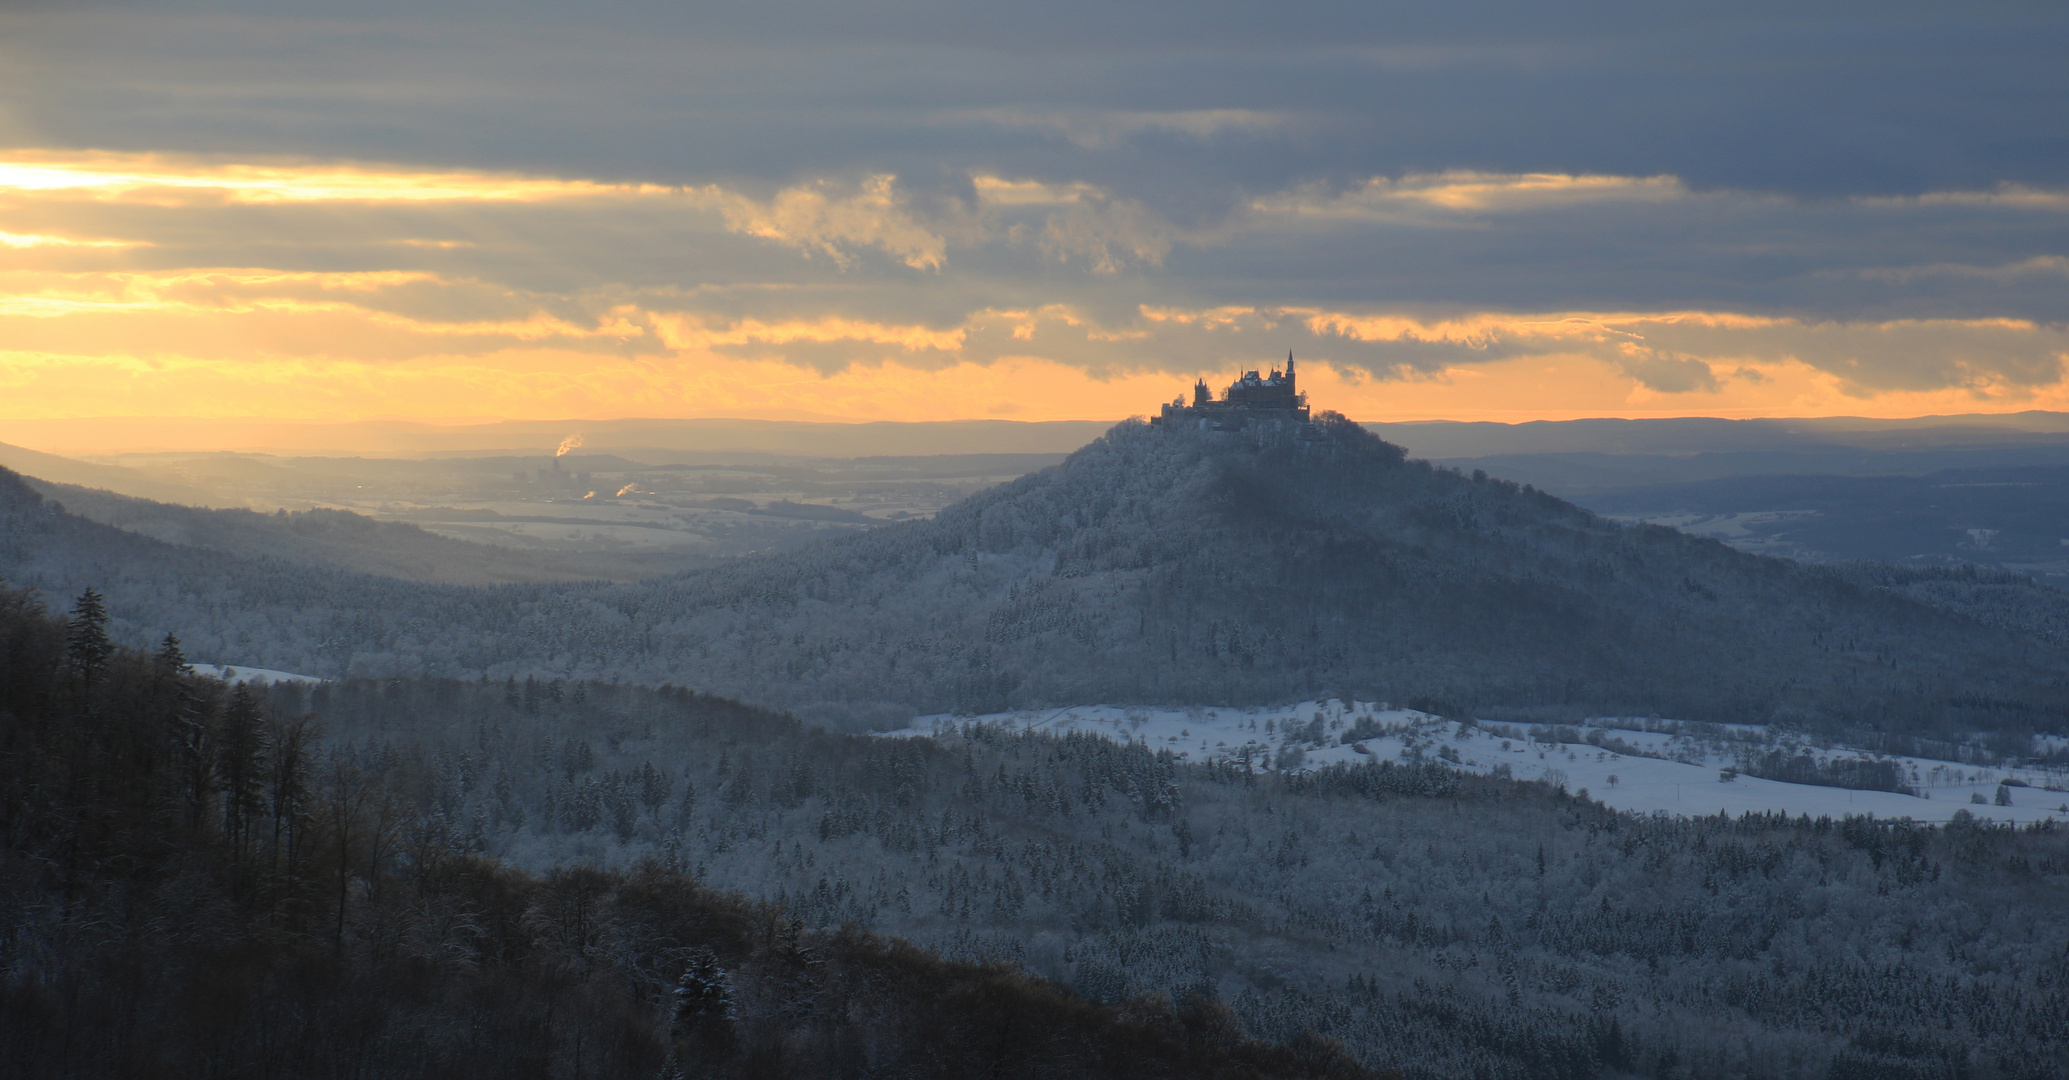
pixel 257 675
pixel 1674 769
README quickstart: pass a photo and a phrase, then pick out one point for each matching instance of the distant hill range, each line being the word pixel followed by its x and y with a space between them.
pixel 340 540
pixel 1167 566
pixel 2012 518
pixel 1584 458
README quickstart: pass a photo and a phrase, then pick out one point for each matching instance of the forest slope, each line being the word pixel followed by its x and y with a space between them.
pixel 405 877
pixel 194 885
pixel 1154 565
pixel 1438 924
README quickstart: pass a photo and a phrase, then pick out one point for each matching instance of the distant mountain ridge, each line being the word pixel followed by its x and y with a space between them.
pixel 342 540
pixel 1682 435
pixel 1154 565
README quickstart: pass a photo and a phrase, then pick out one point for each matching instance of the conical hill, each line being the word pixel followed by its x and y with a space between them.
pixel 1175 565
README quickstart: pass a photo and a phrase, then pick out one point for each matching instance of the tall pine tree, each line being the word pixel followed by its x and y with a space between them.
pixel 87 646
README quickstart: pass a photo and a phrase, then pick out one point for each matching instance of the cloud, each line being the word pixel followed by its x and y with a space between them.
pixel 1082 224
pixel 33 240
pixel 2006 196
pixel 1168 101
pixel 824 219
pixel 819 218
pixel 1652 287
pixel 166 180
pixel 1428 197
pixel 1105 130
pixel 2037 266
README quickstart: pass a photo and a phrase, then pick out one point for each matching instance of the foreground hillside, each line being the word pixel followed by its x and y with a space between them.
pixel 435 877
pixel 192 884
pixel 1438 924
pixel 1160 566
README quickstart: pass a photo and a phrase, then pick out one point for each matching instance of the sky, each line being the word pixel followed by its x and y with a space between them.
pixel 915 210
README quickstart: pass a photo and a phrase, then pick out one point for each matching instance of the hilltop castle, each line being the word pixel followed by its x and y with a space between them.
pixel 1249 399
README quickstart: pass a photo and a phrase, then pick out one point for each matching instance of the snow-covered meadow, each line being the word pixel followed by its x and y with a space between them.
pixel 1673 769
pixel 257 675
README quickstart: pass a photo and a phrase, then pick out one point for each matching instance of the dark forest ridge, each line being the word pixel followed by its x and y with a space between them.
pixel 198 884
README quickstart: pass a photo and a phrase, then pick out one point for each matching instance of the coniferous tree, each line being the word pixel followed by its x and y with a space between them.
pixel 240 771
pixel 170 659
pixel 87 645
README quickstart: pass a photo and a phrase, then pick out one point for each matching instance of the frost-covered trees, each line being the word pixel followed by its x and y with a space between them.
pixel 1435 922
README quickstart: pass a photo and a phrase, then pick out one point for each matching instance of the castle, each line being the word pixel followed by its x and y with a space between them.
pixel 1250 399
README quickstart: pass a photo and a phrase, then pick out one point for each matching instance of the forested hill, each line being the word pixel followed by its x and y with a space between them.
pixel 1183 566
pixel 1154 565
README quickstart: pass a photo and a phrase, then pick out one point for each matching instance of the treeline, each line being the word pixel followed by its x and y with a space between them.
pixel 1803 767
pixel 197 883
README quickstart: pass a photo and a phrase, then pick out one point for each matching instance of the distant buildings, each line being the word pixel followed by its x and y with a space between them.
pixel 1251 399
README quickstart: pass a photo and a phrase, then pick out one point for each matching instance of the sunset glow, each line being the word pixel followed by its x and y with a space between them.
pixel 103 315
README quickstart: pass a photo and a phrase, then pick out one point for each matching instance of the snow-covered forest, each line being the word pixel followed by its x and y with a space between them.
pixel 192 884
pixel 1433 921
pixel 1163 567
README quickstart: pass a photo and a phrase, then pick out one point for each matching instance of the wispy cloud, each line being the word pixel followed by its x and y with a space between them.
pixel 1424 197
pixel 168 180
pixel 2007 196
pixel 2037 266
pixel 36 240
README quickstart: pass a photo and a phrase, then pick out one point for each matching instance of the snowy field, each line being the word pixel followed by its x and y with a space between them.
pixel 1680 770
pixel 259 675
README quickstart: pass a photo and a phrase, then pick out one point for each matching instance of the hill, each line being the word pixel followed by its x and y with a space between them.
pixel 343 540
pixel 1161 565
pixel 1183 566
pixel 115 478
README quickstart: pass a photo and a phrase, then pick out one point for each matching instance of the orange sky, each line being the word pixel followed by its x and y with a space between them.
pixel 149 286
pixel 550 386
